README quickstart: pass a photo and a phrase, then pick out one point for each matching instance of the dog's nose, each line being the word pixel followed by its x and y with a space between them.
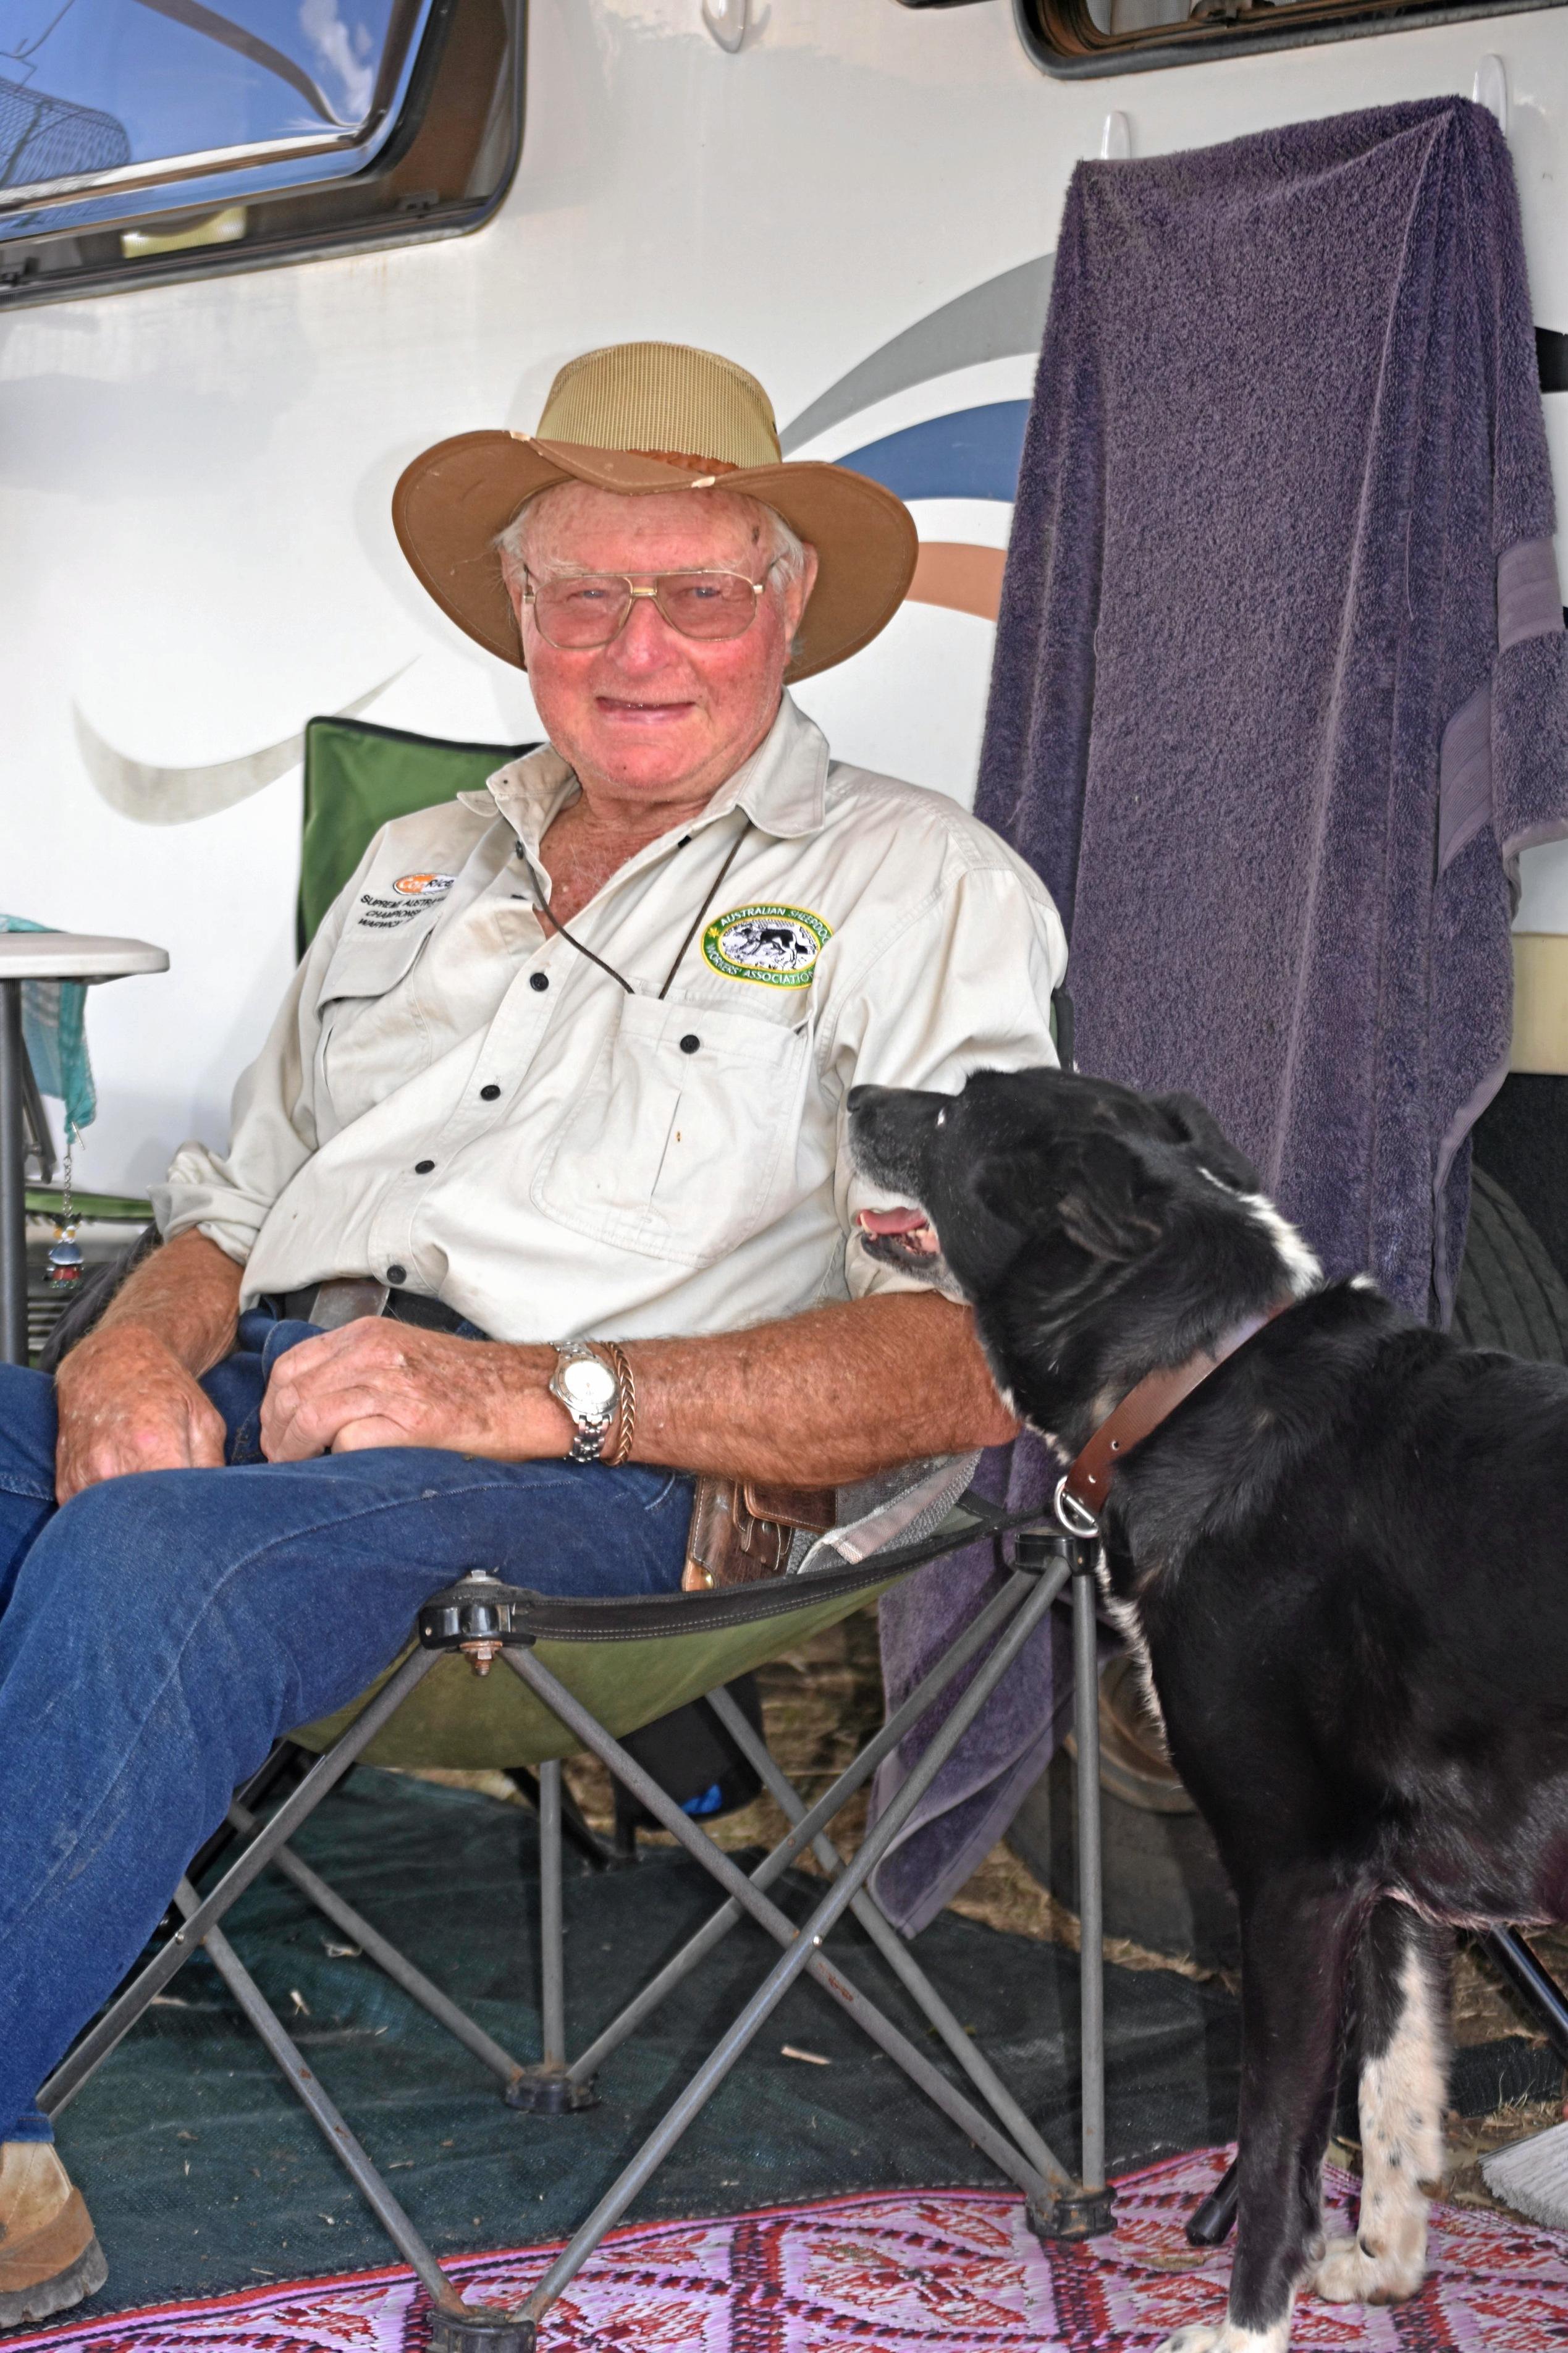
pixel 859 1097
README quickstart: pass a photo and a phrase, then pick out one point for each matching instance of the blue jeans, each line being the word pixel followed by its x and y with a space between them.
pixel 159 1633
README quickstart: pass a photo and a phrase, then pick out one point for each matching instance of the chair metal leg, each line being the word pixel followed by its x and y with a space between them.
pixel 1096 2199
pixel 122 2013
pixel 889 1943
pixel 713 1931
pixel 386 1955
pixel 303 2080
pixel 802 1947
pixel 547 2089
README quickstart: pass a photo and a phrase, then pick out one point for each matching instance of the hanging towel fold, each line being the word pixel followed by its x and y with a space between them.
pixel 54 1031
pixel 1282 685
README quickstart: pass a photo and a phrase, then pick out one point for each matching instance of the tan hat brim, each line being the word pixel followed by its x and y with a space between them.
pixel 454 500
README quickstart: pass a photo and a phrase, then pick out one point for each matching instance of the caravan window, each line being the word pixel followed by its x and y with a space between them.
pixel 158 137
pixel 1097 37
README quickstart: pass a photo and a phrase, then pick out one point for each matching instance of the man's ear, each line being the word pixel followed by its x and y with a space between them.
pixel 1195 1124
pixel 1109 1203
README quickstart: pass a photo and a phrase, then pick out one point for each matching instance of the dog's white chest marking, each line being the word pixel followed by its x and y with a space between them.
pixel 1124 1616
pixel 1402 2099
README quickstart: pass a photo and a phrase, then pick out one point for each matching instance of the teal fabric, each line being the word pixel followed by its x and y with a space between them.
pixel 358 777
pixel 54 1030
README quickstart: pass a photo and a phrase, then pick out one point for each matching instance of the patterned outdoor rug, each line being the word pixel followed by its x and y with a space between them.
pixel 889 2273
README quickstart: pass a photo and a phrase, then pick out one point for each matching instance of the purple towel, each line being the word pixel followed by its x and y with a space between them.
pixel 1280 693
pixel 1280 689
pixel 1009 1747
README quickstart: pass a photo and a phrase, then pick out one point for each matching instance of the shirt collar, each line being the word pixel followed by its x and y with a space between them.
pixel 782 787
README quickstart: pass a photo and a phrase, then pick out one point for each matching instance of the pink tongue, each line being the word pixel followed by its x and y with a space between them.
pixel 892 1221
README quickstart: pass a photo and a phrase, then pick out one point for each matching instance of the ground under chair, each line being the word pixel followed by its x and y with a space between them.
pixel 576 1674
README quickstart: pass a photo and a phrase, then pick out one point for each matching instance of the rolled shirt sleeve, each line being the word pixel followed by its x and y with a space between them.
pixel 273 1126
pixel 964 984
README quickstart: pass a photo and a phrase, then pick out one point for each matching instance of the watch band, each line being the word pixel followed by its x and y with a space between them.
pixel 590 1428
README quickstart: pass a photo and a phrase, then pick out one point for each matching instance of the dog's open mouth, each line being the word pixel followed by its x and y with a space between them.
pixel 903 1237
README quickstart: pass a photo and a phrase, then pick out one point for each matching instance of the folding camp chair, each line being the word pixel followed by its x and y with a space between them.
pixel 581 1672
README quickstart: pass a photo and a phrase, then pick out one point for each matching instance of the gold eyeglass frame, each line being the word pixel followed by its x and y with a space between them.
pixel 656 579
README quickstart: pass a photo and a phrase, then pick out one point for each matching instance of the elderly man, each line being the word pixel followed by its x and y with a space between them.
pixel 561 1081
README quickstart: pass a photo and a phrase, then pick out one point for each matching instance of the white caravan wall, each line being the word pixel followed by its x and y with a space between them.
pixel 194 546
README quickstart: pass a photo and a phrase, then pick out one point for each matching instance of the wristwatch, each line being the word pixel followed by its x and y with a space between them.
pixel 590 1392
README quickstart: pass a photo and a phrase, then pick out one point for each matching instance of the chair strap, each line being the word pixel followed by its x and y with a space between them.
pixel 517 1615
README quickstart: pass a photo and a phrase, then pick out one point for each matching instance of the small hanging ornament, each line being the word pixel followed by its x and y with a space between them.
pixel 65 1262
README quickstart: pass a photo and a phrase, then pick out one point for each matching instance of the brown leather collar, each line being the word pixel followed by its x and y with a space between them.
pixel 1084 1489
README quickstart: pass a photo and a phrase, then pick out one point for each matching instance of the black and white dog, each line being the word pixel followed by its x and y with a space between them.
pixel 1345 1560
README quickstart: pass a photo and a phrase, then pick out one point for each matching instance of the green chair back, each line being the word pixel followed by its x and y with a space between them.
pixel 357 778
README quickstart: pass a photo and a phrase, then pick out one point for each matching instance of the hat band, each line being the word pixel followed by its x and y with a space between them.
pixel 689 464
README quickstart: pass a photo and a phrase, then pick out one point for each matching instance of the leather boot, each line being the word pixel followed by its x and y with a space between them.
pixel 49 2258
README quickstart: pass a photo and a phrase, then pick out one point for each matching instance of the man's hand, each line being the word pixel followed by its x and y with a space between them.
pixel 377 1382
pixel 126 1403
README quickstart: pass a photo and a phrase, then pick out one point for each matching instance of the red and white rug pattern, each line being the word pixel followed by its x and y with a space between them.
pixel 890 2272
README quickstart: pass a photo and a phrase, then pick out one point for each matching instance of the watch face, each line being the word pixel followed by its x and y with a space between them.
pixel 587 1387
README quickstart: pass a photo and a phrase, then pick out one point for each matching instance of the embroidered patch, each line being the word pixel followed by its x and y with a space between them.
pixel 775 945
pixel 411 895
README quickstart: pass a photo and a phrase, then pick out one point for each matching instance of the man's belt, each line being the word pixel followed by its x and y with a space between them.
pixel 346 1298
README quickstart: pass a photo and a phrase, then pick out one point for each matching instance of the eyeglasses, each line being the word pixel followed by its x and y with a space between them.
pixel 575 610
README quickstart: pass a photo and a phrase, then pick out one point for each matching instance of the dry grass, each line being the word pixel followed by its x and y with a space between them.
pixel 824 1700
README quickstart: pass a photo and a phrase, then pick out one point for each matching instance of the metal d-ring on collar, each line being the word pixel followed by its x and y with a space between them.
pixel 1082 1489
pixel 541 910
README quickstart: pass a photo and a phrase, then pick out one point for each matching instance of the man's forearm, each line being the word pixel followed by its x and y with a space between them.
pixel 823 1398
pixel 188 1295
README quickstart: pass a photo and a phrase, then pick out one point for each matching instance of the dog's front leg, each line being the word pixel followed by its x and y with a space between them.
pixel 1401 1987
pixel 1295 1941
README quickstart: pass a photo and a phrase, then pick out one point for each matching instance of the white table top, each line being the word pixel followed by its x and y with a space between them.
pixel 76 956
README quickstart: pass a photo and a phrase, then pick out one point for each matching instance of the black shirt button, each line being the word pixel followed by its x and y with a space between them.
pixel 422 1167
pixel 540 980
pixel 690 1042
pixel 397 1275
pixel 488 1094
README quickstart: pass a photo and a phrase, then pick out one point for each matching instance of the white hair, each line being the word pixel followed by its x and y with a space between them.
pixel 787 552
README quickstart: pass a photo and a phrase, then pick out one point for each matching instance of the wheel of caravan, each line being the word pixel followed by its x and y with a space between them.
pixel 1510 1295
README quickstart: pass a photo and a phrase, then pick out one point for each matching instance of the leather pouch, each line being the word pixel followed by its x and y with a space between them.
pixel 742 1530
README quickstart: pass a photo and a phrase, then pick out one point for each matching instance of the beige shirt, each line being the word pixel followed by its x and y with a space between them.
pixel 452 1102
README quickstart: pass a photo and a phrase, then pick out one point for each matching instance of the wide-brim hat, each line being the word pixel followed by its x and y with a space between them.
pixel 638 418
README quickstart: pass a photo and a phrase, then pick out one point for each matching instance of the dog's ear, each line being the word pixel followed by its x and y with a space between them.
pixel 1195 1124
pixel 1107 1202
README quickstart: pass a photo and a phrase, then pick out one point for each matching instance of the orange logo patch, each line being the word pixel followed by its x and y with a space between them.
pixel 424 886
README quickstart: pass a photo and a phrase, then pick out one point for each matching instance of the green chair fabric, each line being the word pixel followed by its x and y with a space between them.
pixel 357 778
pixel 466 1721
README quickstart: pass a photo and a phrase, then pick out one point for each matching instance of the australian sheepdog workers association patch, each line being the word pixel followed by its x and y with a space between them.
pixel 777 946
pixel 410 892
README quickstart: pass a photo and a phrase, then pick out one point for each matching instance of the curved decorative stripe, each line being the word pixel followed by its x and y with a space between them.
pixel 154 795
pixel 957 574
pixel 995 320
pixel 971 453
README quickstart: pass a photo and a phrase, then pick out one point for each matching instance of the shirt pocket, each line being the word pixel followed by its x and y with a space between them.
pixel 370 1038
pixel 678 1144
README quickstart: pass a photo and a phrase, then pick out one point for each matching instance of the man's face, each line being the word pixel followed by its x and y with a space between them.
pixel 653 714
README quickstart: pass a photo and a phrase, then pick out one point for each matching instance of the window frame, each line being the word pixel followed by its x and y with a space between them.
pixel 416 222
pixel 1164 46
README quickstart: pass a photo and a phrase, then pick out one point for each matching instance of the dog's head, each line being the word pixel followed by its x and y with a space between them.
pixel 1094 1231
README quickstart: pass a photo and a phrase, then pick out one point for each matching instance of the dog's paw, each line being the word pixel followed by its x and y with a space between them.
pixel 1351 2272
pixel 1225 2337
